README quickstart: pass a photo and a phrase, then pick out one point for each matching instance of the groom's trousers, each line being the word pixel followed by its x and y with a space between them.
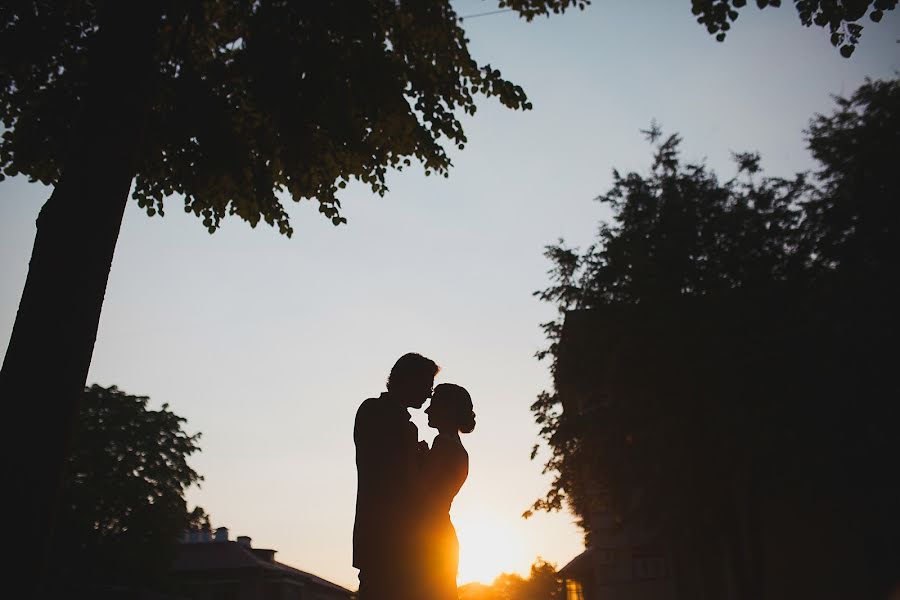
pixel 385 584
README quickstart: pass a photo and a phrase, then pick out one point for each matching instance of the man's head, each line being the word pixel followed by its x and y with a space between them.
pixel 412 379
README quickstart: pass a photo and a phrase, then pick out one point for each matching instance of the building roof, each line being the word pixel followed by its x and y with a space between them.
pixel 313 578
pixel 225 555
pixel 216 555
pixel 584 562
pixel 578 565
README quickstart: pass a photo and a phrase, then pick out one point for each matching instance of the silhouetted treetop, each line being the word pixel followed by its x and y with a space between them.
pixel 250 99
pixel 680 231
pixel 529 9
pixel 839 16
pixel 855 213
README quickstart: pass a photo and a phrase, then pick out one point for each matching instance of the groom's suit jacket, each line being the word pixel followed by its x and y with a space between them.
pixel 386 465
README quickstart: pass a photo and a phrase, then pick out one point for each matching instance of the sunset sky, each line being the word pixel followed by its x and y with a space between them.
pixel 267 345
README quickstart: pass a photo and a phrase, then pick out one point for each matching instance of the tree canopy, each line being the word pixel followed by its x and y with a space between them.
pixel 732 340
pixel 249 101
pixel 123 507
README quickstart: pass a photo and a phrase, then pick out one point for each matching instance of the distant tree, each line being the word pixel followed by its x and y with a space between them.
pixel 770 304
pixel 123 507
pixel 508 586
pixel 542 583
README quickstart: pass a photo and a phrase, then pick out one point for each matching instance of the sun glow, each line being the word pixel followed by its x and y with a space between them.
pixel 488 546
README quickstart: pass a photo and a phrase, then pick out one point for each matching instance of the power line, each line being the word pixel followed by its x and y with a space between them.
pixel 485 14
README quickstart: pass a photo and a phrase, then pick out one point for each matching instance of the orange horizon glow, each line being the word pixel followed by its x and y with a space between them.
pixel 487 548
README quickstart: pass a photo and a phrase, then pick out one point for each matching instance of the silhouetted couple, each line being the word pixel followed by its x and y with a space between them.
pixel 404 544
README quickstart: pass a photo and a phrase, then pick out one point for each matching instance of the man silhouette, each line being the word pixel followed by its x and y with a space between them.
pixel 387 447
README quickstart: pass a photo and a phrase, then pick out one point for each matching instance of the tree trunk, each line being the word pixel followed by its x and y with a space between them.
pixel 49 353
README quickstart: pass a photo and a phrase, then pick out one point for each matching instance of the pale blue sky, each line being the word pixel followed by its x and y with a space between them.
pixel 267 345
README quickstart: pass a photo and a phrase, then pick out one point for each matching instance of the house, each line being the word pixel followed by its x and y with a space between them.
pixel 622 563
pixel 212 567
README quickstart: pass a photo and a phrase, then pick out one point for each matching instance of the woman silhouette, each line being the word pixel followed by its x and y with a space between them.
pixel 444 470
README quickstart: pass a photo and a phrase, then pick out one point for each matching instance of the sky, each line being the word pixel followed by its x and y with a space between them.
pixel 267 345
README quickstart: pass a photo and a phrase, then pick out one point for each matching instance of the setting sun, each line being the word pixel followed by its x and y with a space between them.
pixel 487 547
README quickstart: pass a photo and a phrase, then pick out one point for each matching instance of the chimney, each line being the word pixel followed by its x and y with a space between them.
pixel 266 555
pixel 205 534
pixel 221 534
pixel 243 540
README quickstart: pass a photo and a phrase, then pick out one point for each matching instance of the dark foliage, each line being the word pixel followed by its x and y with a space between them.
pixel 123 508
pixel 841 17
pixel 738 338
pixel 678 233
pixel 250 100
pixel 253 100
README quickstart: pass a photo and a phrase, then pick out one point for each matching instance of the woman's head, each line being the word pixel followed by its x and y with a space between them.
pixel 451 409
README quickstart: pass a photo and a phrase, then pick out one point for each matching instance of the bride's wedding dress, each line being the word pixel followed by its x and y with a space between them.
pixel 445 469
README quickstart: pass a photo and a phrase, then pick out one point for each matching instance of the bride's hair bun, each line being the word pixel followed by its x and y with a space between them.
pixel 467 424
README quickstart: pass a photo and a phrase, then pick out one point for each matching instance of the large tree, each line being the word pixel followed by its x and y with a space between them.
pixel 732 339
pixel 232 105
pixel 123 508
